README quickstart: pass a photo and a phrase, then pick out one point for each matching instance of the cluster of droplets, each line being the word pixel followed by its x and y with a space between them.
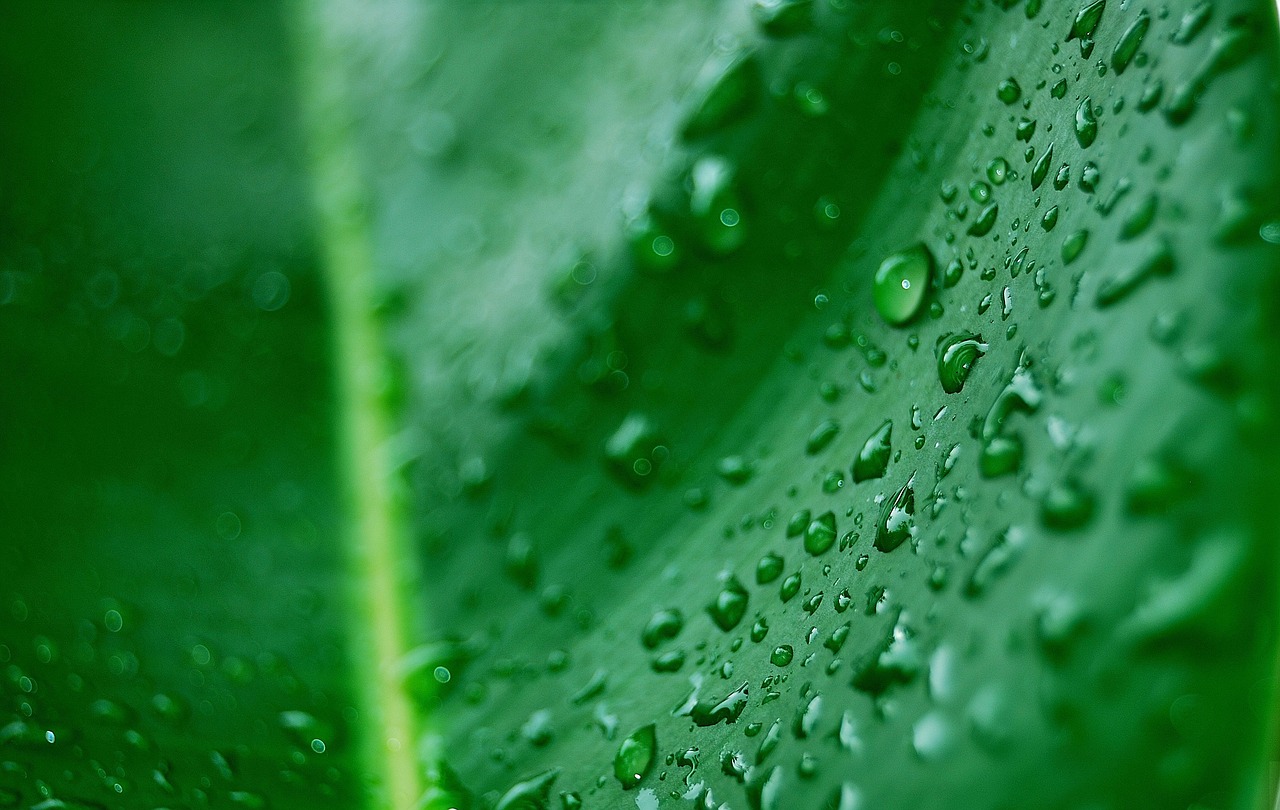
pixel 826 606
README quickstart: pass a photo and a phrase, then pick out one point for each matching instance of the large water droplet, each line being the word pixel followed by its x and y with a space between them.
pixel 1086 124
pixel 873 458
pixel 901 284
pixel 1129 42
pixel 634 759
pixel 820 534
pixel 957 355
pixel 726 90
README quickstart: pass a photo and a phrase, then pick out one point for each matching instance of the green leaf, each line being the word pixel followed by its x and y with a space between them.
pixel 407 401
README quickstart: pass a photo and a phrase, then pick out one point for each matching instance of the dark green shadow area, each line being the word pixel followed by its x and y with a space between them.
pixel 171 580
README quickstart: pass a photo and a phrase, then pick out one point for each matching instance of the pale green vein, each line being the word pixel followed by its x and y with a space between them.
pixel 376 533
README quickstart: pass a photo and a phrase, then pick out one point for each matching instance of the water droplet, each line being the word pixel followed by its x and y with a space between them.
pixel 634 451
pixel 768 569
pixel 845 797
pixel 1228 49
pixel 781 655
pixel 1129 42
pixel 901 284
pixel 764 791
pixel 821 437
pixel 1060 622
pixel 1009 91
pixel 1041 168
pixel 957 354
pixel 873 458
pixel 663 625
pixel 113 621
pixel 1086 20
pixel 1193 22
pixel 1086 124
pixel 730 604
pixel 1067 505
pixel 715 206
pixel 1151 95
pixel 1090 177
pixel 897 517
pixel 726 710
pixel 833 482
pixel 898 661
pixel 837 638
pixel 271 291
pixel 726 90
pixel 997 559
pixel 1073 246
pixel 634 759
pixel 998 171
pixel 1158 263
pixel 1192 602
pixel 769 742
pixel 537 729
pixel 990 718
pixel 1050 219
pixel 1156 484
pixel 533 793
pixel 932 737
pixel 798 522
pixel 790 587
pixel 985 221
pixel 1139 218
pixel 669 661
pixel 820 534
pixel 782 18
pixel 735 470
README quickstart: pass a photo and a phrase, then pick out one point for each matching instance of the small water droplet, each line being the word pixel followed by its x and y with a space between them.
pixel 662 625
pixel 1009 91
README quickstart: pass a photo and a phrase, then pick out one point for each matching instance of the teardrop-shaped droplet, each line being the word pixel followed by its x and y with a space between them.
pixel 634 759
pixel 726 90
pixel 873 458
pixel 1086 19
pixel 533 793
pixel 1086 124
pixel 897 517
pixel 1129 42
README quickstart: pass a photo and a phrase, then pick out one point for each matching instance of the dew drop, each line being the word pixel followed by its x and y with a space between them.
pixel 901 284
